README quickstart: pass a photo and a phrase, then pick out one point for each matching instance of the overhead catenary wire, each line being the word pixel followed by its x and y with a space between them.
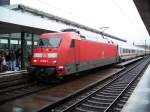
pixel 122 11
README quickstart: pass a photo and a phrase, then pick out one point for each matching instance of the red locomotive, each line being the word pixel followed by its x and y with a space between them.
pixel 65 53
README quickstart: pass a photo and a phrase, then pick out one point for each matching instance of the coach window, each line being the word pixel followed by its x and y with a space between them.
pixel 72 44
pixel 122 50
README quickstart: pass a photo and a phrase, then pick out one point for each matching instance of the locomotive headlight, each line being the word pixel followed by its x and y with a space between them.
pixel 34 60
pixel 54 61
pixel 52 55
pixel 37 55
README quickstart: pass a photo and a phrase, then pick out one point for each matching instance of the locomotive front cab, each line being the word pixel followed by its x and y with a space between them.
pixel 55 54
pixel 46 54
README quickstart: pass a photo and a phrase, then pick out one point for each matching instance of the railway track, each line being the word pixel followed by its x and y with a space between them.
pixel 14 86
pixel 107 97
pixel 17 85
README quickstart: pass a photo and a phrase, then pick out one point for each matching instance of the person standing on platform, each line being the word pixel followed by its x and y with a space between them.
pixel 1 59
pixel 18 58
pixel 11 60
pixel 4 64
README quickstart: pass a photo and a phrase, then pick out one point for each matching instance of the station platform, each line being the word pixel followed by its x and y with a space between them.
pixel 128 62
pixel 139 101
pixel 8 73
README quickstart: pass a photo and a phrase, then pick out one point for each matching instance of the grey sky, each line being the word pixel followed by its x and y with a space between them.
pixel 120 15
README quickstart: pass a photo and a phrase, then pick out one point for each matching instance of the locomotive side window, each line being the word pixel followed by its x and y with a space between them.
pixel 123 50
pixel 50 42
pixel 72 44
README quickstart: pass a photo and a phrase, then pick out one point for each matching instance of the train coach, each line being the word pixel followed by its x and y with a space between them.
pixel 64 53
pixel 128 51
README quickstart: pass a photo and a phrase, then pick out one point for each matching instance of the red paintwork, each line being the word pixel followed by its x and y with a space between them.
pixel 84 51
pixel 92 51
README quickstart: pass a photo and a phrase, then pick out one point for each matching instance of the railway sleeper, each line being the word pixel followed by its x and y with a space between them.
pixel 125 81
pixel 119 84
pixel 102 100
pixel 81 110
pixel 117 110
pixel 129 92
pixel 111 92
pixel 90 102
pixel 132 89
pixel 104 96
pixel 125 97
pixel 120 104
pixel 123 100
pixel 110 95
pixel 92 107
pixel 115 89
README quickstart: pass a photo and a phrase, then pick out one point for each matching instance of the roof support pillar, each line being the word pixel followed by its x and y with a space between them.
pixel 23 45
pixel 32 40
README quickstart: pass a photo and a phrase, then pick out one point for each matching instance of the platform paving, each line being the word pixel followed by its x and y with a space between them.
pixel 139 101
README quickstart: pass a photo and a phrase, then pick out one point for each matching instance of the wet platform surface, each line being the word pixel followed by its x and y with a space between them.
pixel 139 101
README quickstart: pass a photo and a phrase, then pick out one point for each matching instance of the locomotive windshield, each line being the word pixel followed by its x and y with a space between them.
pixel 50 42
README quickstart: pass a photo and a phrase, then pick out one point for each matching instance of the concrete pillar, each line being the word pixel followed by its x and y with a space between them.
pixel 32 40
pixel 9 37
pixel 23 45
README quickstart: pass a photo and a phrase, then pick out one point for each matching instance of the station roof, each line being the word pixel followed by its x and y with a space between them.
pixel 20 18
pixel 143 7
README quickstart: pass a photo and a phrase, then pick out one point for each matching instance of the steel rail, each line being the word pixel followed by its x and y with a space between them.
pixel 124 91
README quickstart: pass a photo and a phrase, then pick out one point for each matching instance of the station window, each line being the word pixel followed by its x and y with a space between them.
pixel 3 41
pixel 29 43
pixel 121 50
pixel 35 43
